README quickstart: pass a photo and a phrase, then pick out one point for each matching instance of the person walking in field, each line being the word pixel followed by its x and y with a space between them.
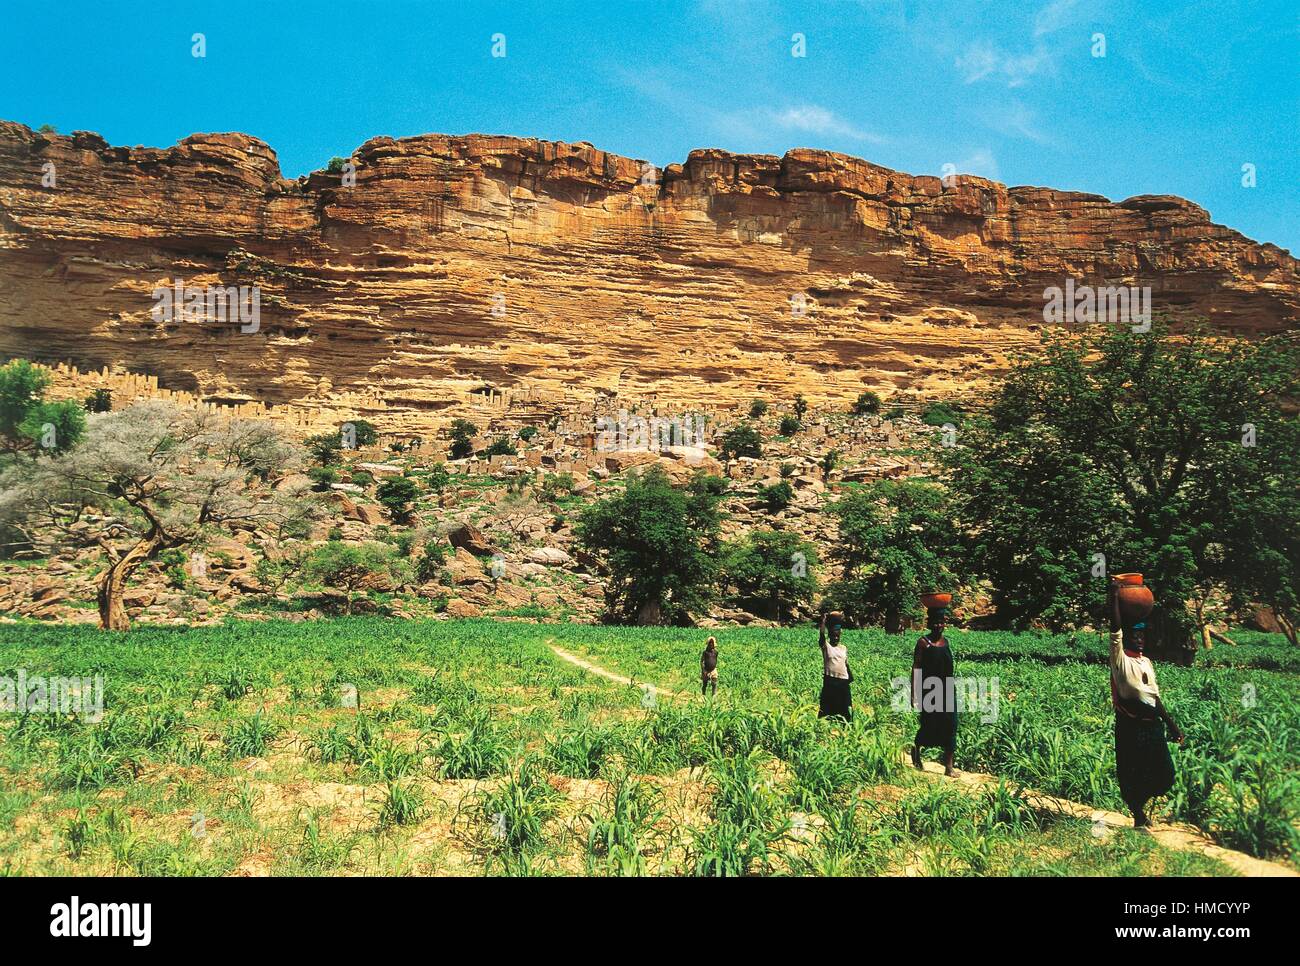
pixel 1142 761
pixel 836 698
pixel 709 667
pixel 934 692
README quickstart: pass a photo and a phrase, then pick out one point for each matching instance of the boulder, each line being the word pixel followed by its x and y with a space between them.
pixel 468 537
pixel 547 556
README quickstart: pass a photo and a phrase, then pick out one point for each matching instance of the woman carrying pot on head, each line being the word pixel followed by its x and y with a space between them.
pixel 1142 761
pixel 836 698
pixel 934 692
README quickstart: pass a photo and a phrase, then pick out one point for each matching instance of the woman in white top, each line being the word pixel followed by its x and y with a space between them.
pixel 1142 761
pixel 836 699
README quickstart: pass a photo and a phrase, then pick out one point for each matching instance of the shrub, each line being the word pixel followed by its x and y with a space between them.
pixel 867 404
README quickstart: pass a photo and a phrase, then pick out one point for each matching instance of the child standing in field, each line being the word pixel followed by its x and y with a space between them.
pixel 709 667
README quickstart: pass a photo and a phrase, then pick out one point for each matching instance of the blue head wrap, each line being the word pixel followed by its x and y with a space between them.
pixel 1139 626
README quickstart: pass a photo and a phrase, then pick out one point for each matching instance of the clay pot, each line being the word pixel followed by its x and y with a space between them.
pixel 1128 578
pixel 1135 602
pixel 929 601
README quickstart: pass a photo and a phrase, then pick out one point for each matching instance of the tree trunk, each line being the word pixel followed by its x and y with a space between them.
pixel 1288 626
pixel 112 586
pixel 1206 643
pixel 651 614
pixel 1170 635
pixel 893 620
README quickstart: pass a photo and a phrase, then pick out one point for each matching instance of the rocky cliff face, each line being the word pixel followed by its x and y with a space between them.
pixel 458 263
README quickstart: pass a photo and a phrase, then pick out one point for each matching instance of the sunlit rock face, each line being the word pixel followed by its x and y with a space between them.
pixel 439 266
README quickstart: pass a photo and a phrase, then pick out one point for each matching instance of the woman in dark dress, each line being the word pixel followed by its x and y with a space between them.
pixel 1143 725
pixel 934 694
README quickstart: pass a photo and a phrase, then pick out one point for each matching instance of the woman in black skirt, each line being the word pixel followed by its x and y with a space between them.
pixel 934 693
pixel 836 699
pixel 1142 761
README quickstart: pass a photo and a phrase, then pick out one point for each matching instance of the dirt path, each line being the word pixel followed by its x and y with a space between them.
pixel 1187 838
pixel 1183 837
pixel 610 675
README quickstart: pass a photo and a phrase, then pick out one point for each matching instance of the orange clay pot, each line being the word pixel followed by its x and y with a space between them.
pixel 1135 602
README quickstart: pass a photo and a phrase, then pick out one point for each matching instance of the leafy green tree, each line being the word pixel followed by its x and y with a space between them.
pixel 322 477
pixel 397 494
pixel 336 164
pixel 350 567
pixel 657 543
pixel 790 425
pixel 941 413
pixel 896 542
pixel 527 433
pixel 364 432
pixel 771 572
pixel 741 440
pixel 437 479
pixel 1175 456
pixel 757 409
pixel 556 486
pixel 29 424
pixel 501 447
pixel 829 461
pixel 867 404
pixel 324 448
pixel 800 407
pixel 99 401
pixel 462 433
pixel 776 497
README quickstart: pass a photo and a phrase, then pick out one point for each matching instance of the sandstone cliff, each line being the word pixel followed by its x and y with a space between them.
pixel 454 264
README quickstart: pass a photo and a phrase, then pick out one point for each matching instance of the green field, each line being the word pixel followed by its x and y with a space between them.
pixel 224 750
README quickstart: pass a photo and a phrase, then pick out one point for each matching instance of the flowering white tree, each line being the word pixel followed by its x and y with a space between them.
pixel 148 478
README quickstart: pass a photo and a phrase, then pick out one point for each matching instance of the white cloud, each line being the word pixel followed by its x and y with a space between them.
pixel 818 120
pixel 982 59
pixel 982 163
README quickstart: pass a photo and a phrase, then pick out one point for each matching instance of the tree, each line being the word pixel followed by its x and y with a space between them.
pixel 336 164
pixel 757 409
pixel 397 494
pixel 364 432
pixel 501 447
pixel 800 407
pixel 741 440
pixel 437 479
pixel 324 448
pixel 830 459
pixel 462 433
pixel 149 478
pixel 527 433
pixel 657 543
pixel 350 567
pixel 896 542
pixel 99 401
pixel 770 570
pixel 30 425
pixel 776 497
pixel 867 404
pixel 1171 455
pixel 942 413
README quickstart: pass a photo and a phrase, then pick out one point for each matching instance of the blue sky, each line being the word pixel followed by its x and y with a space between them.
pixel 1185 95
